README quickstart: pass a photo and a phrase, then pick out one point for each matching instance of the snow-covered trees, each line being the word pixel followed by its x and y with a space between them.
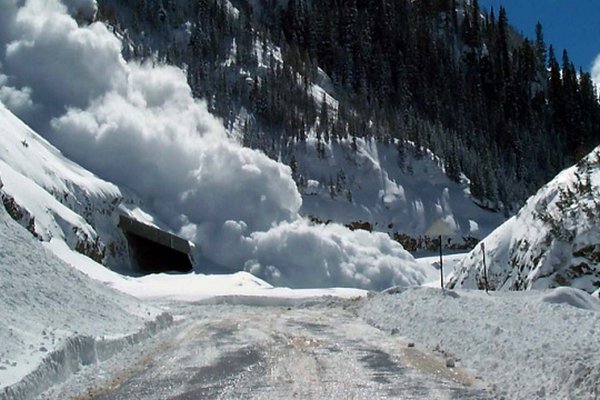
pixel 480 92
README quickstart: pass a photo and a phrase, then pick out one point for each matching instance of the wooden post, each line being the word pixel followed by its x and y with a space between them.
pixel 441 265
pixel 485 277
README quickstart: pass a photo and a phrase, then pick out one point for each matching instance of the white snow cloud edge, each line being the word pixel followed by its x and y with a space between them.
pixel 596 72
pixel 137 124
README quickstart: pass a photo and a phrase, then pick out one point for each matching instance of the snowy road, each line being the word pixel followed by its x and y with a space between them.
pixel 233 352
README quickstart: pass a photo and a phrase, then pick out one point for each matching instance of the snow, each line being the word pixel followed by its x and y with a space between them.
pixel 44 302
pixel 596 71
pixel 193 287
pixel 552 241
pixel 55 317
pixel 528 345
pixel 572 297
pixel 137 125
pixel 430 265
pixel 51 309
pixel 369 184
pixel 317 351
pixel 56 198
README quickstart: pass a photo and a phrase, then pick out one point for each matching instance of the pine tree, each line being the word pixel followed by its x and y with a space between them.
pixel 540 48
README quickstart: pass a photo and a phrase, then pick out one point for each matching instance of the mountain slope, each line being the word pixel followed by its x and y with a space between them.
pixel 55 198
pixel 388 188
pixel 507 111
pixel 553 241
pixel 142 129
pixel 301 116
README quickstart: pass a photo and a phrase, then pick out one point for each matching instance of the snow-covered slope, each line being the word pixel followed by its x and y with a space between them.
pixel 553 241
pixel 57 200
pixel 138 126
pixel 53 317
pixel 341 180
pixel 368 181
pixel 54 198
pixel 41 188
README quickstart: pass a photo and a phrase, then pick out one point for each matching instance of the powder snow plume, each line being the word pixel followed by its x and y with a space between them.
pixel 596 71
pixel 137 124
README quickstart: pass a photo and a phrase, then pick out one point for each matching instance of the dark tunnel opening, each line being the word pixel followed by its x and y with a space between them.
pixel 152 250
pixel 151 257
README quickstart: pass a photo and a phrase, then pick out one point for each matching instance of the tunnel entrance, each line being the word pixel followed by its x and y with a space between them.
pixel 152 250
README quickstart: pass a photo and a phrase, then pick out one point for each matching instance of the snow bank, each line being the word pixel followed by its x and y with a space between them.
pixel 47 308
pixel 524 346
pixel 138 125
pixel 75 353
pixel 572 297
pixel 553 241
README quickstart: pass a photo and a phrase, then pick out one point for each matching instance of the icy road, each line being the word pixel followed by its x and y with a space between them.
pixel 322 351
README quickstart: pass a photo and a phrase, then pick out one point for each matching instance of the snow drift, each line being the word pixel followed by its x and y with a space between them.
pixel 40 316
pixel 137 125
pixel 553 241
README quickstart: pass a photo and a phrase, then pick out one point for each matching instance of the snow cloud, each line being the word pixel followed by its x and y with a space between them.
pixel 596 71
pixel 17 100
pixel 63 64
pixel 334 255
pixel 139 126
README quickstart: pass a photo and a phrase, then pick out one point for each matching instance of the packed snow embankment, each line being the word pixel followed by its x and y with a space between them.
pixel 54 318
pixel 553 241
pixel 528 345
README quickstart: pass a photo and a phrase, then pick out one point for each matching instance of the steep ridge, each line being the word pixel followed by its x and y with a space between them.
pixel 553 241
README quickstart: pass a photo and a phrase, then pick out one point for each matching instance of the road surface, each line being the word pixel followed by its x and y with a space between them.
pixel 323 351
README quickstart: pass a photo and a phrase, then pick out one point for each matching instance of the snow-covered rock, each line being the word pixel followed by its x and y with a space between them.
pixel 553 241
pixel 47 193
pixel 54 198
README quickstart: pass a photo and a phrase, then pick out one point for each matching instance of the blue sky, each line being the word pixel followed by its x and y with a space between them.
pixel 570 24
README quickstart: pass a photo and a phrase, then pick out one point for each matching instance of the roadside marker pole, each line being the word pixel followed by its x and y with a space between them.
pixel 485 277
pixel 441 265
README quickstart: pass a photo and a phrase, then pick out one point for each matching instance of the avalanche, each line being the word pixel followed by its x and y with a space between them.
pixel 137 125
